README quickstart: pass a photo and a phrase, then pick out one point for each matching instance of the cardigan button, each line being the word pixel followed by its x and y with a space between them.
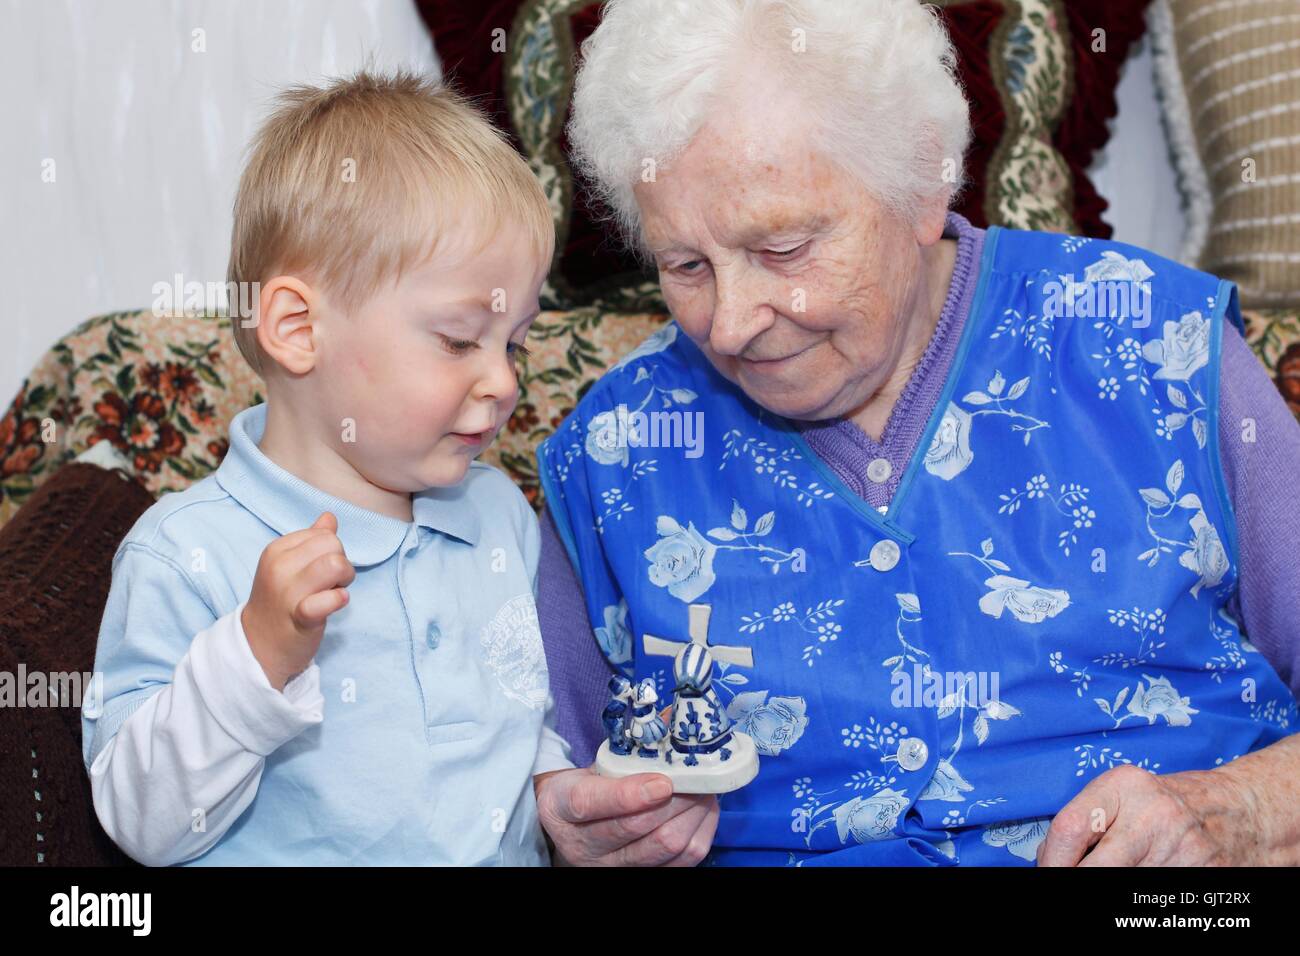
pixel 434 636
pixel 879 470
pixel 912 753
pixel 884 554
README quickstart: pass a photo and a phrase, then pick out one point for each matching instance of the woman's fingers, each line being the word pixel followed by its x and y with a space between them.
pixel 590 797
pixel 618 836
pixel 633 821
pixel 700 838
pixel 1120 846
pixel 1080 824
pixel 649 838
pixel 666 841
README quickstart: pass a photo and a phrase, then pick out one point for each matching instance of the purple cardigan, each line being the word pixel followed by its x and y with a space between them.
pixel 1260 476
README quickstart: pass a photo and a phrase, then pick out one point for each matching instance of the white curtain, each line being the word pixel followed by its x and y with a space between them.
pixel 146 136
pixel 1135 173
pixel 142 109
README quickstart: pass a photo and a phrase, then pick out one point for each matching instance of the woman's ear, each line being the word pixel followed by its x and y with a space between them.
pixel 930 219
pixel 288 313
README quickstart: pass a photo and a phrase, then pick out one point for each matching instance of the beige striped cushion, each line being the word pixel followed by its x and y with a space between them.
pixel 1239 62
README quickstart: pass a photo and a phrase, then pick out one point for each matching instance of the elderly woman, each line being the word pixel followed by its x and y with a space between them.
pixel 977 501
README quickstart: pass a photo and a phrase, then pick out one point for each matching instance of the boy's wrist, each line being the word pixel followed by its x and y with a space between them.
pixel 277 677
pixel 235 689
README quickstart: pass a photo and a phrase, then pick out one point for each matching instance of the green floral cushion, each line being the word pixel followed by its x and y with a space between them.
pixel 570 350
pixel 162 391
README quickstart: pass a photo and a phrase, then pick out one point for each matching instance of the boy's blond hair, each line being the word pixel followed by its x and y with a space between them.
pixel 356 181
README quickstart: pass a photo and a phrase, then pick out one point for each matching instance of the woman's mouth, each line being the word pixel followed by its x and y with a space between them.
pixel 772 364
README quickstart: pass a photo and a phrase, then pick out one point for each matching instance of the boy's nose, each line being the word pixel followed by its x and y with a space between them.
pixel 500 383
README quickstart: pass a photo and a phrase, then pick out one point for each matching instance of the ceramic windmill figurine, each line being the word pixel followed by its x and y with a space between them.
pixel 702 752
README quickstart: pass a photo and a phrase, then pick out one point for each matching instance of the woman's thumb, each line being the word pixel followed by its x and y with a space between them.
pixel 326 521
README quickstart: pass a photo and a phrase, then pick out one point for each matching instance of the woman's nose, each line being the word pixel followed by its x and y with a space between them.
pixel 737 319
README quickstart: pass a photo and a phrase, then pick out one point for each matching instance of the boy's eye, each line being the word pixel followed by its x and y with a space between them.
pixel 457 346
pixel 462 346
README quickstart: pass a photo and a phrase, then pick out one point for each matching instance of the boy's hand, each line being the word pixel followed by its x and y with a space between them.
pixel 299 583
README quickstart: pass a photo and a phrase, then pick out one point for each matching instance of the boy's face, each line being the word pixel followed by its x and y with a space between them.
pixel 426 367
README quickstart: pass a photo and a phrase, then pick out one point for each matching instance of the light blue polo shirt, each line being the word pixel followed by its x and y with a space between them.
pixel 436 707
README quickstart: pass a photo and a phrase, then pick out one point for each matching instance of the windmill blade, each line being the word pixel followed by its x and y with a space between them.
pixel 744 656
pixel 699 623
pixel 659 646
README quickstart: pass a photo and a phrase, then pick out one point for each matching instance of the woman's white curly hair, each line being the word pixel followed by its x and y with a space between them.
pixel 877 79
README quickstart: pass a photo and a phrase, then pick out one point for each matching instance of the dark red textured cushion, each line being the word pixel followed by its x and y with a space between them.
pixel 971 26
pixel 56 563
pixel 1083 130
pixel 462 32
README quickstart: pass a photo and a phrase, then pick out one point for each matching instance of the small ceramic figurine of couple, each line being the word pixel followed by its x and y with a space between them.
pixel 703 752
pixel 631 722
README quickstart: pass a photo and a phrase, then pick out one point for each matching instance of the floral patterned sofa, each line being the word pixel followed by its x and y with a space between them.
pixel 162 391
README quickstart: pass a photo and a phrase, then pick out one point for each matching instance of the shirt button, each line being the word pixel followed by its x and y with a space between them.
pixel 879 470
pixel 434 636
pixel 884 554
pixel 883 509
pixel 912 753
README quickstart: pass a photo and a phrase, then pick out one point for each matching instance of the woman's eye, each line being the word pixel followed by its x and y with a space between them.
pixel 684 267
pixel 786 253
pixel 457 346
pixel 518 350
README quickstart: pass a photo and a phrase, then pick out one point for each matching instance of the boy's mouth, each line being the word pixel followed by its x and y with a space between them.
pixel 474 438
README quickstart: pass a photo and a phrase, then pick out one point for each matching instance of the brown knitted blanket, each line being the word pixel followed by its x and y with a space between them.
pixel 56 558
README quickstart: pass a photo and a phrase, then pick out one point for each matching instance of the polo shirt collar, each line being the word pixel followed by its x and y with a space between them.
pixel 287 503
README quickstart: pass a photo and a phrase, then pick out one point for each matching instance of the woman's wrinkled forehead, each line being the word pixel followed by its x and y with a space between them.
pixel 741 191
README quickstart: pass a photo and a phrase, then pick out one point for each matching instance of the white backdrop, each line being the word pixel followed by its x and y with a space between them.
pixel 146 136
pixel 1134 172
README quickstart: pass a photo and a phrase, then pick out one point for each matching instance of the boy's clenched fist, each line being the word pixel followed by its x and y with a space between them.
pixel 300 581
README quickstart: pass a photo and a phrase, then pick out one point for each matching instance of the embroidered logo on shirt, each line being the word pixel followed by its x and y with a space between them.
pixel 512 644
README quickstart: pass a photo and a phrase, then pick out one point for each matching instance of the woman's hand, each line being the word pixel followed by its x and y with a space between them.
pixel 1132 817
pixel 632 821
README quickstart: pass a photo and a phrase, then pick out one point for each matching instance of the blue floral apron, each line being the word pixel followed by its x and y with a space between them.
pixel 1043 600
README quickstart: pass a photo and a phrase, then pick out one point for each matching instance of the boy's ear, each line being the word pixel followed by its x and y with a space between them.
pixel 288 312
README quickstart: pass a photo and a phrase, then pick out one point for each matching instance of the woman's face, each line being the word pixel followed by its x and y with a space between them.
pixel 798 285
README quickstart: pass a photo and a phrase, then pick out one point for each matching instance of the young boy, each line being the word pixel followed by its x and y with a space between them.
pixel 327 651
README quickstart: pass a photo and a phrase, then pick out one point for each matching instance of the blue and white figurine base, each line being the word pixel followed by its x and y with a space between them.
pixel 700 752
